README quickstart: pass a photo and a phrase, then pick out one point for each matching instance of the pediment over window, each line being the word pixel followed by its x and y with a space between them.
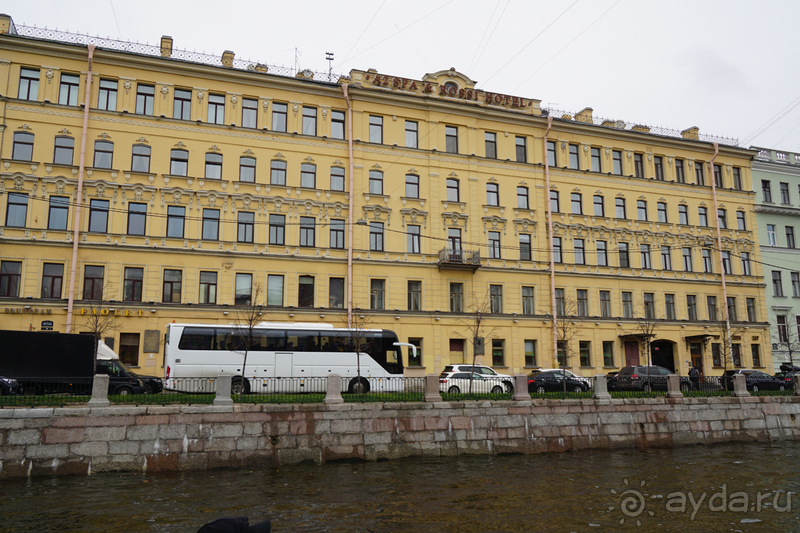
pixel 451 75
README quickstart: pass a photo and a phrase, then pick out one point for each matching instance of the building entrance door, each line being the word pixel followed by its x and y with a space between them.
pixel 631 353
pixel 662 354
pixel 696 352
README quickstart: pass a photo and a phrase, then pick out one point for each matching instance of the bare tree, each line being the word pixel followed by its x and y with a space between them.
pixel 727 349
pixel 645 333
pixel 477 332
pixel 248 315
pixel 359 339
pixel 787 336
pixel 567 329
pixel 98 320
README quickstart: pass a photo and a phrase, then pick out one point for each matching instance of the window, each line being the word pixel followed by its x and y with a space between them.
pixel 243 292
pixel 521 145
pixel 530 353
pixel 52 279
pixel 602 253
pixel 277 227
pixel 492 194
pixel 561 353
pixel 451 139
pixel 579 248
pixel 737 178
pixel 336 293
pixel 751 309
pixel 687 259
pixel 620 206
pixel 777 284
pixel 726 262
pixel 624 258
pixel 582 302
pixel 309 120
pixel 711 301
pixel 641 209
pixel 107 95
pixel 246 225
pixel 278 117
pixel 638 166
pixel 494 245
pixel 337 124
pixel 525 247
pixel 93 282
pixel 691 307
pixel 22 149
pixel 456 297
pixel 666 258
pixel 182 104
pixel 414 295
pixel 377 294
pixel 495 298
pixel 129 349
pixel 376 236
pixel 28 84
pixel 412 134
pixel 605 304
pixel 599 206
pixel 308 231
pixel 644 251
pixel 560 303
pixel 658 165
pixel 708 266
pixel 662 212
pixel 616 157
pixel 10 277
pixel 745 263
pixel 584 350
pixel 58 215
pixel 595 155
pixel 702 216
pixel 413 239
pixel 554 207
pixel 771 240
pixel 210 225
pixel 783 329
pixel 452 190
pixel 415 361
pixel 736 354
pixel 308 176
pixel 669 306
pixel 98 216
pixel 103 154
pixel 213 166
pixel 216 109
pixel 63 151
pixel 498 349
pixel 683 215
pixel 523 202
pixel 557 250
pixel 412 186
pixel 375 129
pixel 680 177
pixel 573 156
pixel 140 158
pixel 785 193
pixel 718 176
pixel 274 290
pixel 337 179
pixel 627 304
pixel 137 218
pixel 491 145
pixel 527 301
pixel 756 353
pixel 277 173
pixel 179 162
pixel 732 315
pixel 375 182
pixel 68 90
pixel 577 204
pixel 608 353
pixel 145 97
pixel 766 191
pixel 790 237
pixel 716 354
pixel 336 233
pixel 17 212
pixel 132 286
pixel 551 153
pixel 740 221
pixel 176 216
pixel 208 288
pixel 247 169
pixel 698 173
pixel 249 112
pixel 796 284
pixel 722 217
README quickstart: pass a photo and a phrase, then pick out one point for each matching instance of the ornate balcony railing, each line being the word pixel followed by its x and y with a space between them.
pixel 459 258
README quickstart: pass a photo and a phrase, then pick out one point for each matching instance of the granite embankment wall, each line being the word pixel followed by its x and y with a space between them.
pixel 83 440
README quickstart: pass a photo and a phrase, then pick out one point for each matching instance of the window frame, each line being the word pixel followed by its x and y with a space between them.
pixel 178 162
pixel 52 283
pixel 414 295
pixel 493 195
pixel 145 100
pixel 59 205
pixel 26 77
pixel 211 223
pixel 309 121
pixel 277 231
pixel 308 231
pixel 182 104
pixel 207 294
pixel 172 218
pixel 451 139
pixel 138 158
pixel 245 229
pixel 336 233
pixel 521 149
pixel 280 113
pixel 490 144
pixel 71 82
pixel 376 129
pixel 247 165
pixel 136 218
pixel 412 134
pixel 99 213
pixel 101 148
pixel 132 285
pixel 23 142
pixel 216 108
pixel 17 214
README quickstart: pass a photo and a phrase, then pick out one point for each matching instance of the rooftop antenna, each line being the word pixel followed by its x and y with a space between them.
pixel 297 60
pixel 329 58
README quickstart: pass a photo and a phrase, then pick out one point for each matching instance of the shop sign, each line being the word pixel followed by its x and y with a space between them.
pixel 47 325
pixel 107 311
pixel 29 310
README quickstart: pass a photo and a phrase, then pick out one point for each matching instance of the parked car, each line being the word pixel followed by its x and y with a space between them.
pixel 459 383
pixel 553 381
pixel 8 386
pixel 648 378
pixel 485 371
pixel 571 374
pixel 611 380
pixel 787 378
pixel 755 380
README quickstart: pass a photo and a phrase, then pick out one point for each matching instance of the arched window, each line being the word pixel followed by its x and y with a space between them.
pixel 140 160
pixel 375 182
pixel 64 151
pixel 103 154
pixel 308 176
pixel 179 163
pixel 277 172
pixel 214 166
pixel 337 179
pixel 23 146
pixel 247 169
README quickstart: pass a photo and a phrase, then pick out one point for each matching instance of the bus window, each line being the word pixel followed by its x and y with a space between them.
pixel 275 340
pixel 302 341
pixel 197 339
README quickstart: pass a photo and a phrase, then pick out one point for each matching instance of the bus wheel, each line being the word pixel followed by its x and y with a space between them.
pixel 240 386
pixel 358 386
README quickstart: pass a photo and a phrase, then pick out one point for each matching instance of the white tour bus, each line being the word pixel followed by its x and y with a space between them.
pixel 280 350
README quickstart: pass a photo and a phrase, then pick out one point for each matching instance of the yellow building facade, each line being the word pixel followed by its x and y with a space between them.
pixel 207 186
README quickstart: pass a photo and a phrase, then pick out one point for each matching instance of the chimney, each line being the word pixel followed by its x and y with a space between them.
pixel 641 129
pixel 166 46
pixel 584 115
pixel 227 59
pixel 692 133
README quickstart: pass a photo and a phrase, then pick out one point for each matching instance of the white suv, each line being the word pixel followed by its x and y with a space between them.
pixel 485 371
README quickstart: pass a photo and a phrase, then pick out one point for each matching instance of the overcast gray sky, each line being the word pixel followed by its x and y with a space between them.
pixel 729 67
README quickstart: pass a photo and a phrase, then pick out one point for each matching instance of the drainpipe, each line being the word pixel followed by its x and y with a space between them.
pixel 728 343
pixel 349 209
pixel 81 168
pixel 550 235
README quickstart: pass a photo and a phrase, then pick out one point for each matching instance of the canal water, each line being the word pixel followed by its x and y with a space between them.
pixel 723 488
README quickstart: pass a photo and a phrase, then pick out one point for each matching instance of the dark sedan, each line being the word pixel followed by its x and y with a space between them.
pixel 553 381
pixel 8 386
pixel 755 380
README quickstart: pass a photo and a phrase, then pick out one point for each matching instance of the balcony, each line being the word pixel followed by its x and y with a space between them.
pixel 457 259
